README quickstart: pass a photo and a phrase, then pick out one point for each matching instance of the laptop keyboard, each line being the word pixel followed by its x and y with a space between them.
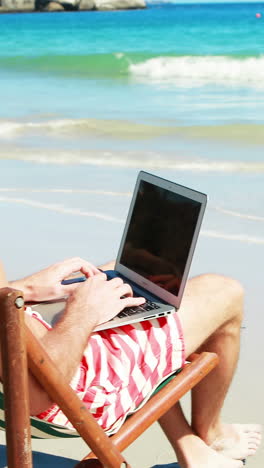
pixel 128 311
pixel 147 306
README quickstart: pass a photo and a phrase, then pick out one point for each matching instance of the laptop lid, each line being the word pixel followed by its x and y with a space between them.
pixel 160 235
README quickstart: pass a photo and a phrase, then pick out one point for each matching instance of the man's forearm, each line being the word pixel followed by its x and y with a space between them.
pixel 25 286
pixel 65 344
pixel 91 303
pixel 43 285
pixel 68 338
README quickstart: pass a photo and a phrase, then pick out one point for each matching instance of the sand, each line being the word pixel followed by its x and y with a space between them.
pixel 85 217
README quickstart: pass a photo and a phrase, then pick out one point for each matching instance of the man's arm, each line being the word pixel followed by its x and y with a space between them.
pixel 68 334
pixel 94 302
pixel 46 284
pixel 89 304
pixel 3 280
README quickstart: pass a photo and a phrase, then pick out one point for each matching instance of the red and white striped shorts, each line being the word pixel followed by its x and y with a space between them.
pixel 121 367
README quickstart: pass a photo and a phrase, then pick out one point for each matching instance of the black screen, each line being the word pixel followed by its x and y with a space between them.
pixel 159 236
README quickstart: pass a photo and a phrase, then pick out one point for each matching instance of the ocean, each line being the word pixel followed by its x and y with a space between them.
pixel 87 99
pixel 174 88
pixel 170 85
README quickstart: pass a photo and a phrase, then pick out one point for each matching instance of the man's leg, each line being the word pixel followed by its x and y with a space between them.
pixel 211 316
pixel 191 450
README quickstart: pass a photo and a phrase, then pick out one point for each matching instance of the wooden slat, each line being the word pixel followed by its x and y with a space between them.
pixel 42 367
pixel 45 371
pixel 159 404
pixel 15 379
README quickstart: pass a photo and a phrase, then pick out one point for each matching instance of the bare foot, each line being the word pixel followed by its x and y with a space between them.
pixel 194 453
pixel 238 441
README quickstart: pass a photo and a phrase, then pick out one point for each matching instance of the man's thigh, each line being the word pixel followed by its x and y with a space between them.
pixel 209 302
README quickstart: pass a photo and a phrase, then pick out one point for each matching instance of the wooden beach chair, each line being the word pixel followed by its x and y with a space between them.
pixel 20 350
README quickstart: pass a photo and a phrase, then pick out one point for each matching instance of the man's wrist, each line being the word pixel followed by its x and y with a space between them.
pixel 24 286
pixel 77 309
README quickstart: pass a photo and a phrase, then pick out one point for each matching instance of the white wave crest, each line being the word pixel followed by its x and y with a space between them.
pixel 61 209
pixel 237 214
pixel 62 190
pixel 234 237
pixel 58 208
pixel 10 128
pixel 199 69
pixel 131 160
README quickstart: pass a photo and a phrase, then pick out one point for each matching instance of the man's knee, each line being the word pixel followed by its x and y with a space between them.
pixel 228 291
pixel 219 281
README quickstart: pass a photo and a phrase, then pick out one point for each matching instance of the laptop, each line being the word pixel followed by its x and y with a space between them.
pixel 157 246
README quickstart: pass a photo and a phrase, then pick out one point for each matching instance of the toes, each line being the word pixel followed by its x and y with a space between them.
pixel 254 428
pixel 247 443
pixel 253 444
pixel 251 452
pixel 254 436
pixel 252 448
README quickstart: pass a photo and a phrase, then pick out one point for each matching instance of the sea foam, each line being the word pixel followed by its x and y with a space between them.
pixel 74 211
pixel 133 160
pixel 59 208
pixel 202 69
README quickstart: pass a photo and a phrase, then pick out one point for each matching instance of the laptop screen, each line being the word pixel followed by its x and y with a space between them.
pixel 160 235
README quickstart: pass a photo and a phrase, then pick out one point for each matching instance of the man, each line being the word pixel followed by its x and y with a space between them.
pixel 210 318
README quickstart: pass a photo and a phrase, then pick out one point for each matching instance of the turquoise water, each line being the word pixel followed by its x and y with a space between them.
pixel 88 99
pixel 178 89
pixel 168 66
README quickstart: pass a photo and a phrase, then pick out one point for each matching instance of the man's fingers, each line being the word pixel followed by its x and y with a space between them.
pixel 100 276
pixel 72 265
pixel 131 301
pixel 116 282
pixel 125 290
pixel 89 270
pixel 70 288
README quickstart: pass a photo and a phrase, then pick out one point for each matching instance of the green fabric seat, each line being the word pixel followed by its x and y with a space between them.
pixel 39 429
pixel 45 430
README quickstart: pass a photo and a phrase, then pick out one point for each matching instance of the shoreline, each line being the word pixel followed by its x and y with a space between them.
pixel 87 102
pixel 34 237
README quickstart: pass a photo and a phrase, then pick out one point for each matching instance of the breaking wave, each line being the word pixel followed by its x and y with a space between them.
pixel 202 69
pixel 133 160
pixel 62 209
pixel 251 133
pixel 240 70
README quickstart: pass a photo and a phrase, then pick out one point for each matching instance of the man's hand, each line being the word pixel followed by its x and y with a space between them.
pixel 98 300
pixel 46 284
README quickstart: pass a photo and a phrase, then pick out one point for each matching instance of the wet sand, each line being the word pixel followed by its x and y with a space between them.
pixel 86 218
